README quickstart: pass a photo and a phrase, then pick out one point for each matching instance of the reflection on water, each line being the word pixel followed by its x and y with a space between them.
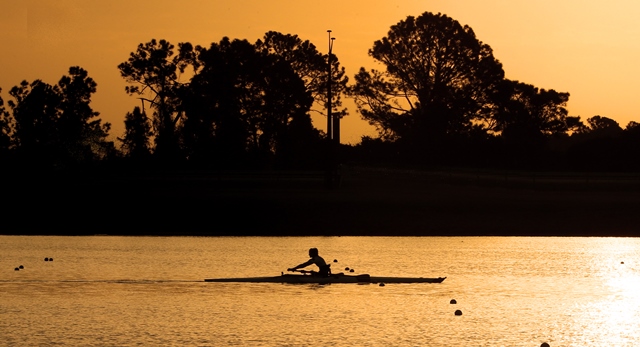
pixel 150 291
pixel 607 315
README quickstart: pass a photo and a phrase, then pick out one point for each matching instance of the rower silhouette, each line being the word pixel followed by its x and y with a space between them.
pixel 324 269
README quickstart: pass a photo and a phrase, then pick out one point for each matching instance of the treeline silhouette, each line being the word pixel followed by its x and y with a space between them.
pixel 441 99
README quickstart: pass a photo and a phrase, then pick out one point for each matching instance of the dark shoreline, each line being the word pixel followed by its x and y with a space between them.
pixel 369 202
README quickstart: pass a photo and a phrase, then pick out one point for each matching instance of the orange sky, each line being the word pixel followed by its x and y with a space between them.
pixel 588 48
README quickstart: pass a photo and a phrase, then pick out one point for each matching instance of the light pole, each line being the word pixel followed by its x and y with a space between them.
pixel 335 118
pixel 333 128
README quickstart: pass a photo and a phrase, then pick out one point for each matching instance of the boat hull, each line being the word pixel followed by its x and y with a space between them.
pixel 338 278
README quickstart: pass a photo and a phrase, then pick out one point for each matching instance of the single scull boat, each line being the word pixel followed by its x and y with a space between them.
pixel 335 278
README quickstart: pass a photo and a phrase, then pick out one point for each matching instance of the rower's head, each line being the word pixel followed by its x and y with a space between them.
pixel 313 252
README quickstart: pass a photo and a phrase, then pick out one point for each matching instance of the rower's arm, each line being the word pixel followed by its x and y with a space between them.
pixel 305 264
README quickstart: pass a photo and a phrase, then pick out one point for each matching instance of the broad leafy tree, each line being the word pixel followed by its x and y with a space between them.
pixel 243 103
pixel 302 56
pixel 632 126
pixel 437 80
pixel 605 125
pixel 631 144
pixel 311 66
pixel 530 120
pixel 601 144
pixel 55 125
pixel 528 113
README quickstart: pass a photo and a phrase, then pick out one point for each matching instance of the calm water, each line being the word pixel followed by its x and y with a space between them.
pixel 149 291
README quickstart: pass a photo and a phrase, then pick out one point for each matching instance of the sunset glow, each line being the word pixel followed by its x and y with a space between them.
pixel 587 48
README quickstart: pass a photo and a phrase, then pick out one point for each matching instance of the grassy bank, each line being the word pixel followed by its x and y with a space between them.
pixel 368 202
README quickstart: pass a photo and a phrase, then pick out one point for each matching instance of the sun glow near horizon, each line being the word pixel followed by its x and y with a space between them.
pixel 587 48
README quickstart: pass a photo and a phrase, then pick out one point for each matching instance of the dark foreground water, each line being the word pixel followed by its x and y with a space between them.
pixel 149 291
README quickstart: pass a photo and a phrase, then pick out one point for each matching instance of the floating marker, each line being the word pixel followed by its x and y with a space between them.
pixel 453 302
pixel 381 284
pixel 621 262
pixel 335 260
pixel 458 313
pixel 17 269
pixel 346 269
pixel 544 344
pixel 21 267
pixel 46 259
pixel 352 270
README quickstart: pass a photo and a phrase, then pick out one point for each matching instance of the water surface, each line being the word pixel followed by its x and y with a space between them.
pixel 126 291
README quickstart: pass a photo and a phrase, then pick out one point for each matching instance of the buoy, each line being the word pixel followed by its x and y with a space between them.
pixel 335 260
pixel 17 269
pixel 544 344
pixel 458 313
pixel 346 269
pixel 381 284
pixel 21 267
pixel 46 259
pixel 453 302
pixel 621 262
pixel 352 270
pixel 50 259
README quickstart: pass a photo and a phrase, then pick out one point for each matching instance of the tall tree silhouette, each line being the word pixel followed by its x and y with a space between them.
pixel 135 141
pixel 286 102
pixel 437 82
pixel 82 134
pixel 5 130
pixel 217 123
pixel 35 110
pixel 154 69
